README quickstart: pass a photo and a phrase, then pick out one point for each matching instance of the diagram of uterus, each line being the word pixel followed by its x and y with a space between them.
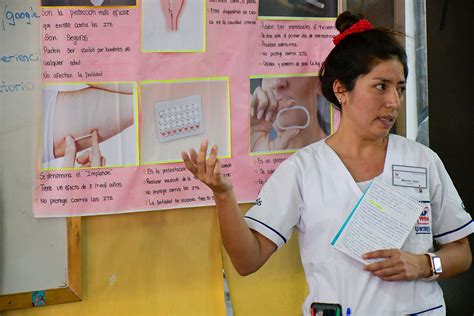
pixel 172 10
pixel 97 2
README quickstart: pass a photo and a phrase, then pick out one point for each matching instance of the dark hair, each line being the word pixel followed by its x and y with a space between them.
pixel 357 54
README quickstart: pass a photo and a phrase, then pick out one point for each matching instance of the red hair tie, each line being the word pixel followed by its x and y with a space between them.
pixel 358 27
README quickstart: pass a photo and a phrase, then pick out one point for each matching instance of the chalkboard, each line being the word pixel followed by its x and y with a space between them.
pixel 40 261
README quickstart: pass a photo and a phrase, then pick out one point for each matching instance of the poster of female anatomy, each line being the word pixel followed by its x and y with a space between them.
pixel 130 84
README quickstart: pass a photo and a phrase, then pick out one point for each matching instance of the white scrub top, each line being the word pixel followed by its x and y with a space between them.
pixel 314 192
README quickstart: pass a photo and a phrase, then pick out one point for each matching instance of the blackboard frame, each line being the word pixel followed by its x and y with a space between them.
pixel 71 292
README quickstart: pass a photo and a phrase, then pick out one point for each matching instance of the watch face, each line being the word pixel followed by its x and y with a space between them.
pixel 437 265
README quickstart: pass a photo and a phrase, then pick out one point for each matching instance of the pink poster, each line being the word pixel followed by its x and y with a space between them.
pixel 128 85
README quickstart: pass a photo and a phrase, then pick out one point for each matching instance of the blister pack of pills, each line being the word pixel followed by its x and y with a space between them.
pixel 179 118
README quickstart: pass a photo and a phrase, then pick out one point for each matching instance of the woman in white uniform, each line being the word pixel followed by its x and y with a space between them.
pixel 315 189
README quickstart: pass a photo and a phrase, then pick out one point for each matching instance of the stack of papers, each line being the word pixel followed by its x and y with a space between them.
pixel 382 219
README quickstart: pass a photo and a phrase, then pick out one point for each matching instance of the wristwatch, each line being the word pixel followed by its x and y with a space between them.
pixel 436 268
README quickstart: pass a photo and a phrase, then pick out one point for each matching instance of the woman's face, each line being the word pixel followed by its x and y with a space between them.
pixel 373 105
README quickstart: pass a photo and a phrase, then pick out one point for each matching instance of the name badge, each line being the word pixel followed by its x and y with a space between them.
pixel 408 176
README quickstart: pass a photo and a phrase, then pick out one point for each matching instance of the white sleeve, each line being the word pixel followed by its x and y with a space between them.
pixel 277 208
pixel 451 222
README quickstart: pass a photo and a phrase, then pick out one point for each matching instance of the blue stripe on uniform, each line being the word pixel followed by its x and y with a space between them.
pixel 452 231
pixel 426 310
pixel 273 230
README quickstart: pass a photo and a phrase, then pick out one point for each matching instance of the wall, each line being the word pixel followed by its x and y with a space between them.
pixel 170 263
pixel 451 111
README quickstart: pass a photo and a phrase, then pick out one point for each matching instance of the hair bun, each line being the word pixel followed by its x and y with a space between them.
pixel 347 19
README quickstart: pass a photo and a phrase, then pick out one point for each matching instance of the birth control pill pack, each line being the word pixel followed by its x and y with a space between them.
pixel 179 118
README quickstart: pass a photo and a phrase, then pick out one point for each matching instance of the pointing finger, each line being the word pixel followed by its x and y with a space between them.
pixel 95 157
pixel 70 153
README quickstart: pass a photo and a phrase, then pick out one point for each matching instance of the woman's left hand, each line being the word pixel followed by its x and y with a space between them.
pixel 397 265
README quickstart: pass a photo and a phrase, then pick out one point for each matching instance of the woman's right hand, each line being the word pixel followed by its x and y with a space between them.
pixel 208 171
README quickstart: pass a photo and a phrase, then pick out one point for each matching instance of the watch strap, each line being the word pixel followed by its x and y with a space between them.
pixel 434 275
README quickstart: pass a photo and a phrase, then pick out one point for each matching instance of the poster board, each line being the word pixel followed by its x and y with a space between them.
pixel 172 93
pixel 40 260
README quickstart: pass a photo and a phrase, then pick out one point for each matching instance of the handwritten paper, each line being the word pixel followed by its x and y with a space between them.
pixel 382 219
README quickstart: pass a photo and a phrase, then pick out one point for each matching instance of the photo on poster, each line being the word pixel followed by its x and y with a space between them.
pixel 179 115
pixel 84 3
pixel 287 113
pixel 297 9
pixel 173 26
pixel 87 125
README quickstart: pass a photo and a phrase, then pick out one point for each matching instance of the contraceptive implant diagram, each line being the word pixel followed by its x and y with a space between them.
pixel 172 10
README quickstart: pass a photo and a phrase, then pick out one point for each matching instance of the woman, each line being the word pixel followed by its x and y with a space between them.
pixel 315 189
pixel 285 114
